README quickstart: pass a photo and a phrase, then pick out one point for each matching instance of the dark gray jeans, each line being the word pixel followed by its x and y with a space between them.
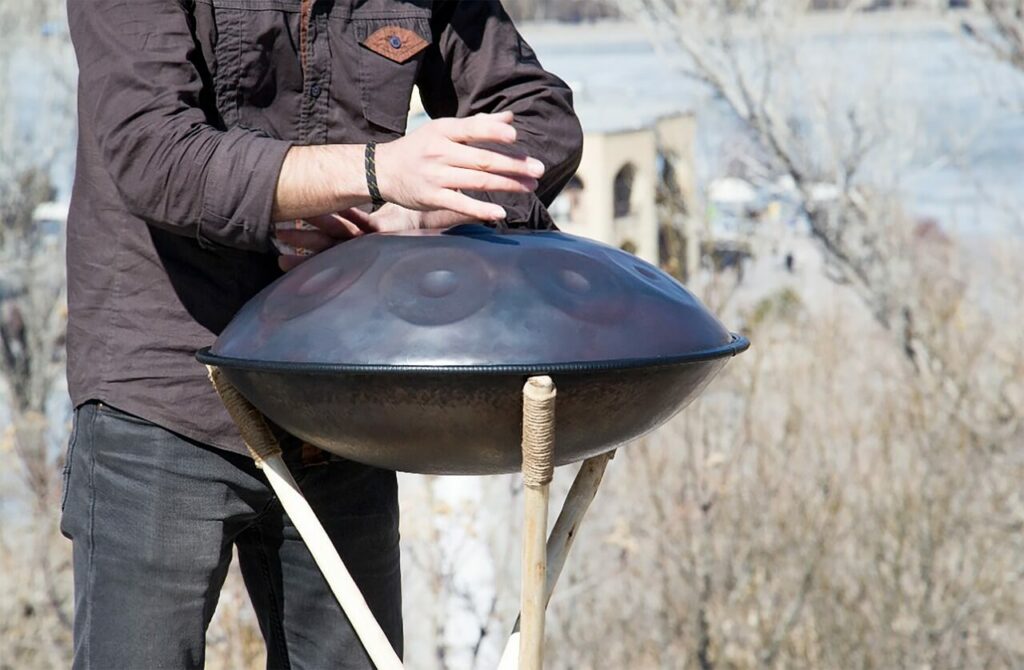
pixel 153 518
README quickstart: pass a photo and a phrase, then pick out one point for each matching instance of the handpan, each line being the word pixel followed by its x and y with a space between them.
pixel 409 351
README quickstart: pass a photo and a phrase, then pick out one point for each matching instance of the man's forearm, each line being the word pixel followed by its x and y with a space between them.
pixel 317 180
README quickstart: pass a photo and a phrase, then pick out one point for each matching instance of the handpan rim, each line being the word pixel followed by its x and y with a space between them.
pixel 736 346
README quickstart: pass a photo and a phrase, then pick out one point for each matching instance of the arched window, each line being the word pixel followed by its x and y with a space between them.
pixel 623 190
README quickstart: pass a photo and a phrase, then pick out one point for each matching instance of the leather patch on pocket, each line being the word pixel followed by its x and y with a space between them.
pixel 395 43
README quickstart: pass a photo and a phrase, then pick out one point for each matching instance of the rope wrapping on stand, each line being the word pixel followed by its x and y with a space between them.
pixel 251 423
pixel 538 431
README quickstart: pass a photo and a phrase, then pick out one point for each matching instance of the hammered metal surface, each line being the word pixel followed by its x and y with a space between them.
pixel 471 296
pixel 410 351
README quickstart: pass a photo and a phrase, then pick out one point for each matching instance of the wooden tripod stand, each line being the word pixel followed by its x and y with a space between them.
pixel 543 557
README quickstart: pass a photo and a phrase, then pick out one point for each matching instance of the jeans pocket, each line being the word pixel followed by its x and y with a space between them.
pixel 69 455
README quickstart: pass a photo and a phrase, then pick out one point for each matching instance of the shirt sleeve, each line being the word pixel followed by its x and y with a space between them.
pixel 141 82
pixel 480 63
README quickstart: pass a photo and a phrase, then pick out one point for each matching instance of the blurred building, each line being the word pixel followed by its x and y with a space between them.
pixel 633 178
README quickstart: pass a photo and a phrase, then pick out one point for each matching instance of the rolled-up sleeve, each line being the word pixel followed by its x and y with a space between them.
pixel 141 80
pixel 480 63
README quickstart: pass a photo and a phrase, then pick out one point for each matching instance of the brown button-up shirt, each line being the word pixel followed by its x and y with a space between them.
pixel 186 111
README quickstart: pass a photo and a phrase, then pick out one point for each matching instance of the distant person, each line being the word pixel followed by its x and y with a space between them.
pixel 201 124
pixel 790 262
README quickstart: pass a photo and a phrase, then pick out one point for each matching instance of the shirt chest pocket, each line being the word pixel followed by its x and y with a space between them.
pixel 250 48
pixel 388 53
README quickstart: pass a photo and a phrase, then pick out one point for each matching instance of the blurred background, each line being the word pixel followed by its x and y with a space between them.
pixel 841 181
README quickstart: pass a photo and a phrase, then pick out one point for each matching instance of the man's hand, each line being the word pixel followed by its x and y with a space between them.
pixel 427 169
pixel 311 236
pixel 423 171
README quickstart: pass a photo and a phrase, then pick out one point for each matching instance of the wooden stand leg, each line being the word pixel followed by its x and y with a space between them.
pixel 267 453
pixel 538 445
pixel 575 507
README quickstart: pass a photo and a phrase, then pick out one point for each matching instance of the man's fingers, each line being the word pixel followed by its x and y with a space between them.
pixel 495 162
pixel 338 226
pixel 473 180
pixel 313 240
pixel 440 218
pixel 357 217
pixel 504 117
pixel 475 209
pixel 495 128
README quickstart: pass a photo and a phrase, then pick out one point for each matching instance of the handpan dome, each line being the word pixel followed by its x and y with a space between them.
pixel 408 351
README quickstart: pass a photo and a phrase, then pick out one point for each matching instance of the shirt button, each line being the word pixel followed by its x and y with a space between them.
pixel 314 90
pixel 395 41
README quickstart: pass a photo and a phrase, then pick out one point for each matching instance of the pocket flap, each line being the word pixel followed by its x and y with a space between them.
pixel 395 43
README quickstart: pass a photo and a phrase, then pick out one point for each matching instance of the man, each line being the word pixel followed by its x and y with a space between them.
pixel 202 122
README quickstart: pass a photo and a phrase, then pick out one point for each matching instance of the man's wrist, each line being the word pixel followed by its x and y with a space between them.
pixel 318 180
pixel 349 175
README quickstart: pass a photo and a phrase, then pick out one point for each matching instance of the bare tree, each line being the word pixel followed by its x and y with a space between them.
pixel 1002 32
pixel 824 506
pixel 744 53
pixel 747 54
pixel 35 607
